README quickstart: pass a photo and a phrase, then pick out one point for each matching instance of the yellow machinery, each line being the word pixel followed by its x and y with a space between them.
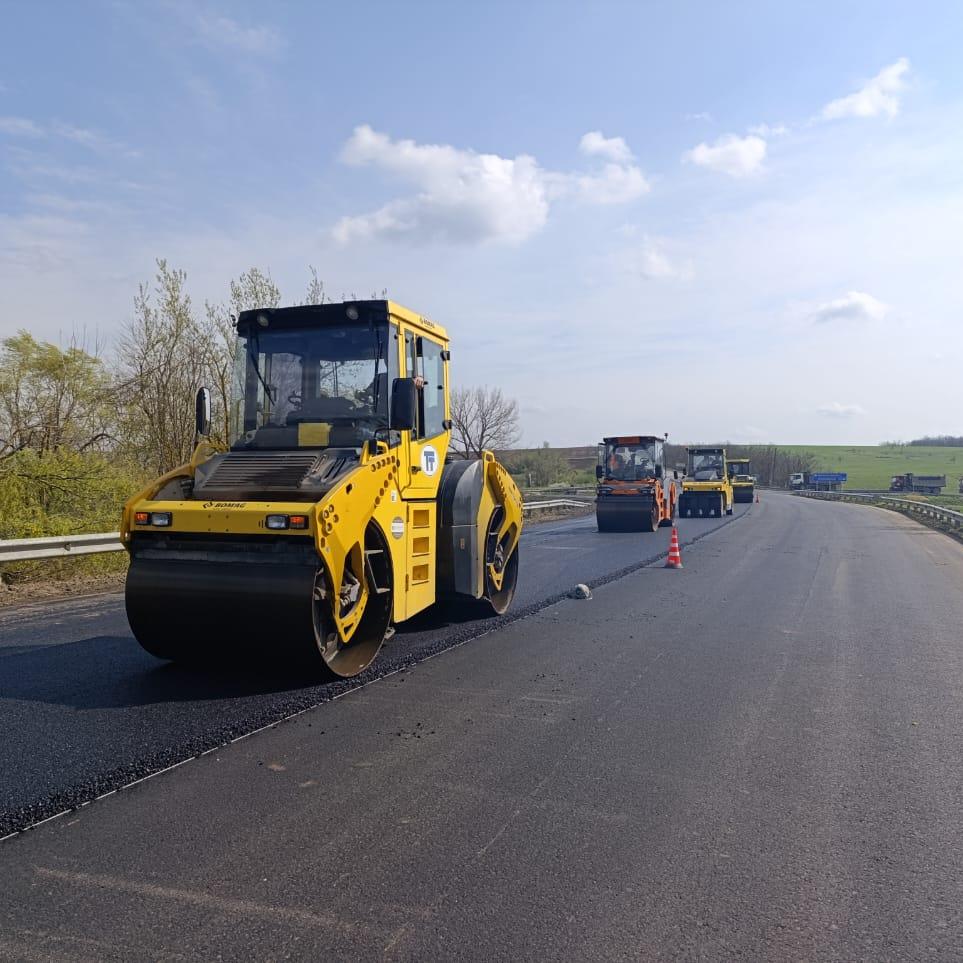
pixel 706 488
pixel 335 513
pixel 743 481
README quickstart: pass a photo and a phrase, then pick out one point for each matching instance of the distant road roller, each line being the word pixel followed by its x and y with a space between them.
pixel 743 481
pixel 634 493
pixel 706 488
pixel 335 513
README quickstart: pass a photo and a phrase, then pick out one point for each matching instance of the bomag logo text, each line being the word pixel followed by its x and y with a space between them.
pixel 224 504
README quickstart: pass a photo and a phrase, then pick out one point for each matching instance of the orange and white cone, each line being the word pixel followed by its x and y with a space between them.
pixel 757 498
pixel 675 553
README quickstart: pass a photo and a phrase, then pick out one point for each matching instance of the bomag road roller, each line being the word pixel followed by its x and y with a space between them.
pixel 334 513
pixel 634 494
pixel 706 488
pixel 743 481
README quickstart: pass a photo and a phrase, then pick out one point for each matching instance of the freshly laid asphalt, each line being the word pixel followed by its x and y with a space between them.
pixel 90 711
pixel 757 757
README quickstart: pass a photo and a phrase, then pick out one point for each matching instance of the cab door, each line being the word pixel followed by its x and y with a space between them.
pixel 426 360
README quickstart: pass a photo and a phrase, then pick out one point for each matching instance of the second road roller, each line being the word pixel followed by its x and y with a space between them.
pixel 743 481
pixel 335 513
pixel 634 493
pixel 706 488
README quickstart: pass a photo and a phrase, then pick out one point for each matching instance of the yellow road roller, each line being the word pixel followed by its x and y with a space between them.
pixel 706 488
pixel 743 481
pixel 335 513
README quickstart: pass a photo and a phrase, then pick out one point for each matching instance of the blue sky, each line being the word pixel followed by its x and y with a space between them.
pixel 731 221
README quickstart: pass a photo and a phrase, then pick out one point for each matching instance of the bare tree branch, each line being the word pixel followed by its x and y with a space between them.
pixel 484 419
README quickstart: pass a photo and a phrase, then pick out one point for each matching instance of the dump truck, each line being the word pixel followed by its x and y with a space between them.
pixel 923 484
pixel 706 488
pixel 743 481
pixel 334 512
pixel 634 491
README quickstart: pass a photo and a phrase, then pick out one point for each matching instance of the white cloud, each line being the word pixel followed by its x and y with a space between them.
pixel 40 242
pixel 765 130
pixel 619 181
pixel 730 154
pixel 854 306
pixel 468 197
pixel 877 96
pixel 92 139
pixel 221 31
pixel 702 115
pixel 593 144
pixel 835 409
pixel 464 196
pixel 617 184
pixel 24 127
pixel 653 263
pixel 20 127
pixel 60 204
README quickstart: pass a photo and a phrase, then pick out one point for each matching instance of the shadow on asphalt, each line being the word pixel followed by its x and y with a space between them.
pixel 112 672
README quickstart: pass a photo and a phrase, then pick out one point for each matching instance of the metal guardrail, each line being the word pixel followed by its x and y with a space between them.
pixel 556 503
pixel 65 546
pixel 917 508
pixel 563 492
pixel 58 546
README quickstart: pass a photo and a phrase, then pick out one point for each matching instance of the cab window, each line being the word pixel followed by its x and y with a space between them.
pixel 432 402
pixel 425 361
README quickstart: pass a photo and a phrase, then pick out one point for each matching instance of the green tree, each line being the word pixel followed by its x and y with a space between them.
pixel 539 467
pixel 163 359
pixel 252 289
pixel 53 398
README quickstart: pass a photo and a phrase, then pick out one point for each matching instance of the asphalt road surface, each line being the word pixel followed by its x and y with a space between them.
pixel 92 711
pixel 758 757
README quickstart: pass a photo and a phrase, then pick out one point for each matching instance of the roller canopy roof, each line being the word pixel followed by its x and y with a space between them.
pixel 631 439
pixel 337 312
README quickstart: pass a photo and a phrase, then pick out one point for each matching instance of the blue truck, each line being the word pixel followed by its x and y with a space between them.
pixel 820 481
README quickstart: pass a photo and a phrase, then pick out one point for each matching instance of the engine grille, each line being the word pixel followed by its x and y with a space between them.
pixel 246 474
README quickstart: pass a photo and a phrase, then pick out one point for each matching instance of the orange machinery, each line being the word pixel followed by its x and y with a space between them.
pixel 634 492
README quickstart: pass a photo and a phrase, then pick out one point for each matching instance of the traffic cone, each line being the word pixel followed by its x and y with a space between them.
pixel 757 498
pixel 675 553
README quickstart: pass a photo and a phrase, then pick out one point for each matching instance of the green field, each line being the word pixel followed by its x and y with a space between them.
pixel 872 466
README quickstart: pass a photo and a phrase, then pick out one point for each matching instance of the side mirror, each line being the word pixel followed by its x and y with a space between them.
pixel 599 472
pixel 675 473
pixel 404 404
pixel 202 413
pixel 658 471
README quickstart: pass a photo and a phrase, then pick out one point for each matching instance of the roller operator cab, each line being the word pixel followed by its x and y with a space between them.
pixel 706 488
pixel 743 481
pixel 634 493
pixel 335 512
